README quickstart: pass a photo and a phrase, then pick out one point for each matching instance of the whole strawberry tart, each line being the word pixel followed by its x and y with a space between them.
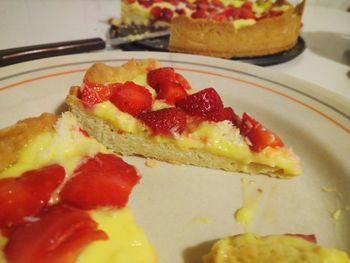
pixel 63 197
pixel 142 108
pixel 221 28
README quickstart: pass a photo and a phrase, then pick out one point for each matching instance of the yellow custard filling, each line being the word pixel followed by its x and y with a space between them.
pixel 67 147
pixel 239 23
pixel 126 241
pixel 248 248
pixel 220 138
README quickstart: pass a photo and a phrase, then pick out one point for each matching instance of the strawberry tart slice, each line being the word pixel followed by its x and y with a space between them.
pixel 144 109
pixel 63 197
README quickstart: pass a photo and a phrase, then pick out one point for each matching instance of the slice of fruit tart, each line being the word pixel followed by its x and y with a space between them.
pixel 63 197
pixel 141 108
pixel 288 248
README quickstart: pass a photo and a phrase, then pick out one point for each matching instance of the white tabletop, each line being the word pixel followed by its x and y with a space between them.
pixel 325 62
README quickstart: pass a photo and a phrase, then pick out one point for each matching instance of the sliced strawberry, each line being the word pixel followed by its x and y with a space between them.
pixel 57 235
pixel 169 121
pixel 173 2
pixel 171 92
pixel 191 6
pixel 258 135
pixel 162 14
pixel 225 114
pixel 132 98
pixel 167 14
pixel 180 11
pixel 83 132
pixel 247 14
pixel 218 3
pixel 104 180
pixel 146 3
pixel 182 81
pixel 229 11
pixel 92 93
pixel 311 238
pixel 247 5
pixel 220 17
pixel 156 12
pixel 237 13
pixel 25 196
pixel 199 14
pixel 273 13
pixel 248 124
pixel 156 76
pixel 202 103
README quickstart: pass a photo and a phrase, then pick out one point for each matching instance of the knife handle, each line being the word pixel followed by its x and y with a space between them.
pixel 21 54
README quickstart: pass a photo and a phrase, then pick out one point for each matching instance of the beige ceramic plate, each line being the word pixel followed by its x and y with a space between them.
pixel 184 209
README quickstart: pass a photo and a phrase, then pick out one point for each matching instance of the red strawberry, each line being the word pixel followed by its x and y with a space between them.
pixel 180 11
pixel 273 13
pixel 83 132
pixel 220 17
pixel 145 3
pixel 104 180
pixel 174 2
pixel 247 5
pixel 258 135
pixel 26 195
pixel 156 12
pixel 171 92
pixel 248 123
pixel 229 11
pixel 218 3
pixel 202 103
pixel 167 14
pixel 167 121
pixel 132 98
pixel 311 238
pixel 182 81
pixel 57 235
pixel 92 93
pixel 247 14
pixel 237 13
pixel 156 76
pixel 163 14
pixel 225 114
pixel 199 14
pixel 191 6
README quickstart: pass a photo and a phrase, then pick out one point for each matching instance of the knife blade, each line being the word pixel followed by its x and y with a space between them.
pixel 22 54
pixel 137 37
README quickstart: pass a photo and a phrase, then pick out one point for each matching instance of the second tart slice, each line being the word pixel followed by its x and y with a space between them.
pixel 141 108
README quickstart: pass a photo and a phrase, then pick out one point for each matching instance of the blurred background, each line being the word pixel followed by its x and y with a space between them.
pixel 29 22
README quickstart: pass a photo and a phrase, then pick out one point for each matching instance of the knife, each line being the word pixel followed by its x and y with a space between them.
pixel 21 54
